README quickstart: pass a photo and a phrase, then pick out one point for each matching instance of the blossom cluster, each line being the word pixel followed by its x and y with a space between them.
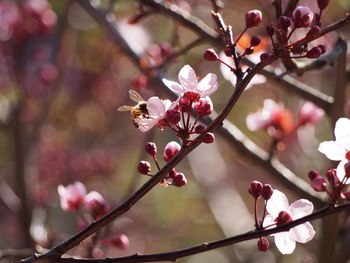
pixel 74 197
pixel 192 95
pixel 279 212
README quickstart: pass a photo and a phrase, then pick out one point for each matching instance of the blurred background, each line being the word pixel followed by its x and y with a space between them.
pixel 62 78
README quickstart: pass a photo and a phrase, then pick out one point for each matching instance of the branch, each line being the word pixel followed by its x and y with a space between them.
pixel 174 255
pixel 290 7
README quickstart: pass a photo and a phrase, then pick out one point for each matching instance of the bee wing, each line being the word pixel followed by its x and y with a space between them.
pixel 125 108
pixel 135 96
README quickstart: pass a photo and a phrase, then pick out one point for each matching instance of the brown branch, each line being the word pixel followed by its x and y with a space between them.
pixel 278 7
pixel 290 7
pixel 174 255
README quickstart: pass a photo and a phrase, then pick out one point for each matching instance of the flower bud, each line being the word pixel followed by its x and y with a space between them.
pixel 228 51
pixel 332 177
pixel 265 57
pixel 179 180
pixel 266 192
pixel 284 22
pixel 255 41
pixel 270 30
pixel 203 107
pixel 319 184
pixel 310 114
pixel 302 16
pixel 255 189
pixel 249 51
pixel 323 48
pixel 184 105
pixel 120 241
pixel 314 32
pixel 71 196
pixel 151 148
pixel 95 204
pixel 170 150
pixel 173 116
pixel 208 137
pixel 263 244
pixel 172 173
pixel 315 52
pixel 144 167
pixel 199 129
pixel 283 218
pixel 312 174
pixel 322 4
pixel 210 55
pixel 253 18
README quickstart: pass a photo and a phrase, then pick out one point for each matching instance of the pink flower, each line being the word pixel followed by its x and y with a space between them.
pixel 170 150
pixel 157 109
pixel 273 117
pixel 189 83
pixel 278 209
pixel 339 150
pixel 310 113
pixel 95 204
pixel 71 196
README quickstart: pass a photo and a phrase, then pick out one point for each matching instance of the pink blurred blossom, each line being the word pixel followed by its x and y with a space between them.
pixel 310 113
pixel 71 196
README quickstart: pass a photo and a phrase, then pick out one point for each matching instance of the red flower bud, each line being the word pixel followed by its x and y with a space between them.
pixel 228 51
pixel 199 129
pixel 179 180
pixel 263 244
pixel 314 32
pixel 265 57
pixel 255 41
pixel 284 22
pixel 144 167
pixel 173 116
pixel 208 137
pixel 302 16
pixel 249 51
pixel 184 105
pixel 266 191
pixel 171 149
pixel 121 241
pixel 210 54
pixel 283 218
pixel 315 52
pixel 312 174
pixel 323 48
pixel 255 189
pixel 270 30
pixel 151 148
pixel 319 184
pixel 253 18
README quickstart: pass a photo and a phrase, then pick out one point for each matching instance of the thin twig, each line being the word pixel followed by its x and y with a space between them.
pixel 174 255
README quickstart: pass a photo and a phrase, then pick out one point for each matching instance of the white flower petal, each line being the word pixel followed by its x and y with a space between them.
pixel 269 220
pixel 302 233
pixel 146 124
pixel 342 132
pixel 174 86
pixel 284 244
pixel 341 171
pixel 208 85
pixel 155 107
pixel 188 78
pixel 277 203
pixel 332 150
pixel 301 208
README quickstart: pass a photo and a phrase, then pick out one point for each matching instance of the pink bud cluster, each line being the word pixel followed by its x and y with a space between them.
pixel 331 184
pixel 170 151
pixel 74 196
pixel 281 33
pixel 276 212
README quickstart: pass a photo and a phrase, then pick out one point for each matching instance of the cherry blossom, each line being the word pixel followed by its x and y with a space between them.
pixel 339 150
pixel 71 196
pixel 189 83
pixel 310 113
pixel 272 117
pixel 157 109
pixel 281 212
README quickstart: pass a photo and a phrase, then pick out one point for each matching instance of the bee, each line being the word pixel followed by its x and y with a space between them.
pixel 139 110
